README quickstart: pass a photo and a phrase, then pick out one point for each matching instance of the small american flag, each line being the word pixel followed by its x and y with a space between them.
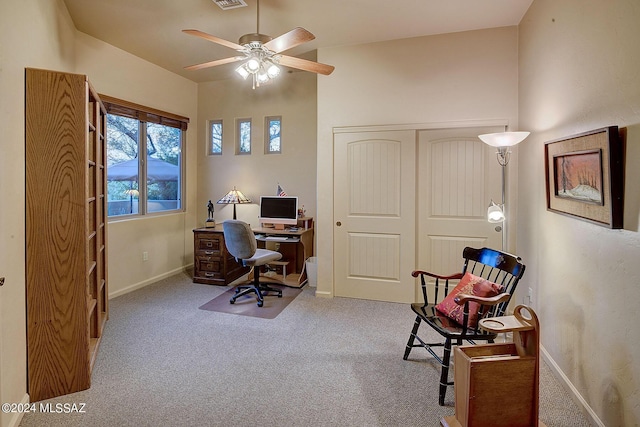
pixel 281 192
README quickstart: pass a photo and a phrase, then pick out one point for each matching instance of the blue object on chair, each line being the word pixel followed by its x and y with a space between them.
pixel 242 244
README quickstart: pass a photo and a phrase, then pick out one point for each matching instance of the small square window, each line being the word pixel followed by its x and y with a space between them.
pixel 243 136
pixel 215 137
pixel 272 135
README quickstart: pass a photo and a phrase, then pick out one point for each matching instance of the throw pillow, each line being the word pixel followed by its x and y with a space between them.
pixel 472 285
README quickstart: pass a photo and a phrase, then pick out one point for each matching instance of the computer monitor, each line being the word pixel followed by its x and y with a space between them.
pixel 279 211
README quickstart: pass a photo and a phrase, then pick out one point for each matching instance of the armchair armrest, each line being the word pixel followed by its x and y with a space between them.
pixel 438 277
pixel 465 299
pixel 460 299
pixel 417 273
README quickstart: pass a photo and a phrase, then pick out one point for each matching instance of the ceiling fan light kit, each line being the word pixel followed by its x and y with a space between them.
pixel 262 63
pixel 262 53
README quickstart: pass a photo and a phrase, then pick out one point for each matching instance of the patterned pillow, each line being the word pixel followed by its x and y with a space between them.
pixel 472 285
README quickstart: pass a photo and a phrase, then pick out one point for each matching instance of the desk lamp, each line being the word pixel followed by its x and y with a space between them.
pixel 234 197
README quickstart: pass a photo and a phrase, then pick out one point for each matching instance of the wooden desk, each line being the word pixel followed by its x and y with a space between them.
pixel 214 265
pixel 296 249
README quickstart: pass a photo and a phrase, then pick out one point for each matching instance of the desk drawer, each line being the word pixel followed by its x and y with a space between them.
pixel 209 253
pixel 208 263
pixel 210 246
pixel 211 275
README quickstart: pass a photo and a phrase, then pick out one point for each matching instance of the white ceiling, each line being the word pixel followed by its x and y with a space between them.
pixel 151 29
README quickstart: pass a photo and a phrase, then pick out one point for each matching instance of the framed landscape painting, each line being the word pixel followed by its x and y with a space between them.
pixel 584 176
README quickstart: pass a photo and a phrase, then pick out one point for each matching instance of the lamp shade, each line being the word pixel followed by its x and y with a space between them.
pixel 234 197
pixel 503 139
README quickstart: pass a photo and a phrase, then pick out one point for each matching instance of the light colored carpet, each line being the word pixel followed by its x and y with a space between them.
pixel 321 362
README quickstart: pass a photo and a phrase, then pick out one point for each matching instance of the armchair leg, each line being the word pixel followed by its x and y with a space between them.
pixel 444 377
pixel 412 337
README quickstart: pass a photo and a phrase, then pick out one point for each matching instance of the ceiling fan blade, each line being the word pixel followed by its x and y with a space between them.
pixel 214 63
pixel 214 39
pixel 303 64
pixel 289 40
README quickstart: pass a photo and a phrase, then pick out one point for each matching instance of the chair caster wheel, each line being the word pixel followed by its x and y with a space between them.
pixel 280 296
pixel 232 301
pixel 260 303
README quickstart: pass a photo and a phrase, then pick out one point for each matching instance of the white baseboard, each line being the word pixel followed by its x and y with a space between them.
pixel 147 282
pixel 324 294
pixel 564 380
pixel 15 420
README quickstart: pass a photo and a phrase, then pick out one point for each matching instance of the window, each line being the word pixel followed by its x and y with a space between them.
pixel 215 137
pixel 243 136
pixel 272 128
pixel 145 172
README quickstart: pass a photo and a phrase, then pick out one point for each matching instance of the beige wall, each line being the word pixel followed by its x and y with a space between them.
pixel 40 34
pixel 579 70
pixel 37 34
pixel 442 80
pixel 167 239
pixel 292 96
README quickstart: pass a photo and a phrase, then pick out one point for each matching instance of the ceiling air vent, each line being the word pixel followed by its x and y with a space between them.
pixel 229 4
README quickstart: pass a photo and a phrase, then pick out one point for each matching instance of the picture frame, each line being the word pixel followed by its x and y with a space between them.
pixel 584 176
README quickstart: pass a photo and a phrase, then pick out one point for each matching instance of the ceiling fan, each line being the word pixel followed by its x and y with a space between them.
pixel 263 53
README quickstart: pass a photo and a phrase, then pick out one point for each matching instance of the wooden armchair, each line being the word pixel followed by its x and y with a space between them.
pixel 501 271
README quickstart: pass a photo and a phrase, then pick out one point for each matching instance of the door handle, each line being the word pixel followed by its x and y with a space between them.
pixel 338 223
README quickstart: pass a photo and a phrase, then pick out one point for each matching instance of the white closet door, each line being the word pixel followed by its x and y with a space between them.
pixel 457 177
pixel 374 215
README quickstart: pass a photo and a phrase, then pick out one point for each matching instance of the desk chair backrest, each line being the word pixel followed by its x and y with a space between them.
pixel 239 239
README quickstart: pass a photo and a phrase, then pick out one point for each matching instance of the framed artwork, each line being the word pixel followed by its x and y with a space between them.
pixel 584 176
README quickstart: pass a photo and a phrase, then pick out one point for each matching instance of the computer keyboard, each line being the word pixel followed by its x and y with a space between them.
pixel 277 238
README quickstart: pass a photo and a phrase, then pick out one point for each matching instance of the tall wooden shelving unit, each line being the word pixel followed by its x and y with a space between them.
pixel 66 231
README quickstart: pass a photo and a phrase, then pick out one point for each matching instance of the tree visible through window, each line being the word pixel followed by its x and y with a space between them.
pixel 215 131
pixel 243 136
pixel 122 165
pixel 273 127
pixel 143 145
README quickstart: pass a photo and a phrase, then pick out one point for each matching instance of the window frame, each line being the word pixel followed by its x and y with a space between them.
pixel 239 123
pixel 267 134
pixel 145 115
pixel 211 123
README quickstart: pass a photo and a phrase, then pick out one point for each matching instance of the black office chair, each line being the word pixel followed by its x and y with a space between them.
pixel 497 267
pixel 242 244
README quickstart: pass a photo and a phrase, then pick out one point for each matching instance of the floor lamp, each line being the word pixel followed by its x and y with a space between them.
pixel 502 141
pixel 234 197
